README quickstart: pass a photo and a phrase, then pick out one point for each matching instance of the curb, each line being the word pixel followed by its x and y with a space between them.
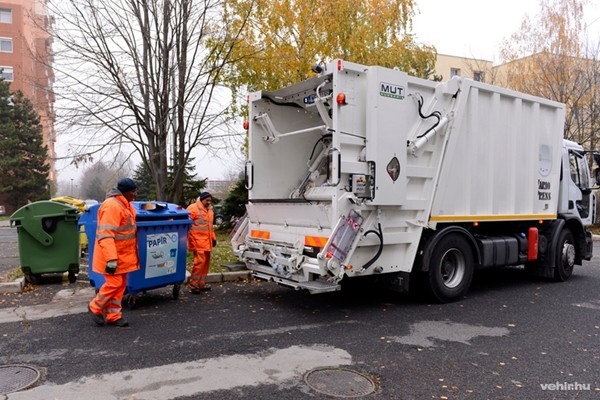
pixel 217 277
pixel 15 286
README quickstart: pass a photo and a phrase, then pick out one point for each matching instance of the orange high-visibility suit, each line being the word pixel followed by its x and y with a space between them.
pixel 201 237
pixel 115 240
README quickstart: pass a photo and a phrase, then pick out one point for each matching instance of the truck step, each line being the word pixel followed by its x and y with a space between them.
pixel 314 287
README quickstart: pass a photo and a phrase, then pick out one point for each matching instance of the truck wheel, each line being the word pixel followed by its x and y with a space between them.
pixel 565 256
pixel 451 268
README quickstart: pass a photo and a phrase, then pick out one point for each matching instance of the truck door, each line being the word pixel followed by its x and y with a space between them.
pixel 581 198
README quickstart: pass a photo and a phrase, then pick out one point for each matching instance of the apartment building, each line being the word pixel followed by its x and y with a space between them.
pixel 25 61
pixel 447 67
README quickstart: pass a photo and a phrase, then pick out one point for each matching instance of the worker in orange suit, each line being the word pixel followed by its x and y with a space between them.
pixel 115 253
pixel 201 240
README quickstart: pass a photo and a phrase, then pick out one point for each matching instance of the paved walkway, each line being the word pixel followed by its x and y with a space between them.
pixel 65 302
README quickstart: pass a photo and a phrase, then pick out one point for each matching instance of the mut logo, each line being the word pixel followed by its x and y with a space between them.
pixel 391 90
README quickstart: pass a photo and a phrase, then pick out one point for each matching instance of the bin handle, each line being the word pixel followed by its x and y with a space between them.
pixel 33 226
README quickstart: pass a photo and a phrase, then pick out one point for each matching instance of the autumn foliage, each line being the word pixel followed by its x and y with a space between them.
pixel 280 40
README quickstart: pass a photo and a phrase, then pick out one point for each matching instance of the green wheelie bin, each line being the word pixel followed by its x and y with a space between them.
pixel 48 239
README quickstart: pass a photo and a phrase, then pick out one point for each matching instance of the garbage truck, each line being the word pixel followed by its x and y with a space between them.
pixel 367 171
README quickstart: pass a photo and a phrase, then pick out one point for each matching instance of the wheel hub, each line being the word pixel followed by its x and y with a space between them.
pixel 453 268
pixel 568 254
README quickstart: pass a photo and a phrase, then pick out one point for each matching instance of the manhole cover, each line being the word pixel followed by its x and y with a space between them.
pixel 17 377
pixel 339 382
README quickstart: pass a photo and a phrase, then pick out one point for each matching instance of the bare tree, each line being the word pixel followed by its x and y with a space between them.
pixel 552 57
pixel 142 76
pixel 98 179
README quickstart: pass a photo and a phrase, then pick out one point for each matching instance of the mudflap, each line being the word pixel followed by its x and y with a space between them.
pixel 589 247
pixel 544 268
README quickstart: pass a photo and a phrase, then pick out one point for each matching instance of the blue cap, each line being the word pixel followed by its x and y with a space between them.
pixel 204 195
pixel 126 185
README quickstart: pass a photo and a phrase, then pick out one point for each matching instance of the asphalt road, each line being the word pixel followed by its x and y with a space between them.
pixel 9 251
pixel 511 338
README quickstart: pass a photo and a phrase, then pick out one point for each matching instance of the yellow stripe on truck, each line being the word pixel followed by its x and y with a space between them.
pixel 501 217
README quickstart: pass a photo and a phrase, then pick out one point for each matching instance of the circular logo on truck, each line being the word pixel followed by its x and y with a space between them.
pixel 545 161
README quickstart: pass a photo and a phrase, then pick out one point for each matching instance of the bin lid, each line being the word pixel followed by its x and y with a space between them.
pixel 43 208
pixel 156 210
pixel 32 218
pixel 74 201
pixel 145 211
pixel 89 216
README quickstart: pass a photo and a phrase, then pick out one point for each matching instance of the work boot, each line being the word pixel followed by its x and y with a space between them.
pixel 97 318
pixel 120 323
pixel 199 289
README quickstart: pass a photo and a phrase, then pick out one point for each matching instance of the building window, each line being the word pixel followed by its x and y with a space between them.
pixel 478 76
pixel 454 72
pixel 6 45
pixel 5 16
pixel 7 74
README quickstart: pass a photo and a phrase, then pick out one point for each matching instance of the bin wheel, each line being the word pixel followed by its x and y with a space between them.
pixel 176 289
pixel 131 301
pixel 72 277
pixel 32 278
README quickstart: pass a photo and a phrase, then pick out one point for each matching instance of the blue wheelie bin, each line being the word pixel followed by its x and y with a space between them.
pixel 162 247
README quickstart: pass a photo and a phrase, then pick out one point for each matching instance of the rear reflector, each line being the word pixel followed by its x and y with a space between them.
pixel 260 234
pixel 532 244
pixel 315 241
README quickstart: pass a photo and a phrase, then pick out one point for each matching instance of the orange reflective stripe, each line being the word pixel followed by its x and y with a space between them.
pixel 260 234
pixel 125 236
pixel 201 219
pixel 315 241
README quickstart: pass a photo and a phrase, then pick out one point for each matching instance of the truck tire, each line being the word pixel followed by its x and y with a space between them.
pixel 565 256
pixel 451 268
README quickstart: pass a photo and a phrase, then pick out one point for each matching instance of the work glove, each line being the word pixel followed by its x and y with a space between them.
pixel 111 267
pixel 214 242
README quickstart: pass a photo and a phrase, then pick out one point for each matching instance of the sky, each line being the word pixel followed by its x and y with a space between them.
pixel 475 28
pixel 466 28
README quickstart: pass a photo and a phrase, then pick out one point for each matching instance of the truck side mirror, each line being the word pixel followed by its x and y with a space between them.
pixel 596 157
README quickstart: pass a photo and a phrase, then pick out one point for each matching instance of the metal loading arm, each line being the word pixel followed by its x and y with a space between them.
pixel 311 169
pixel 415 145
pixel 240 231
pixel 273 134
